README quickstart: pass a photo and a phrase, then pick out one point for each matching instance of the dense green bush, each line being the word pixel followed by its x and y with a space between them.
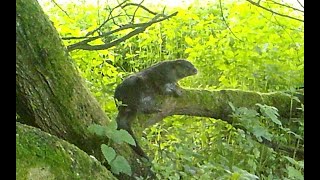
pixel 262 52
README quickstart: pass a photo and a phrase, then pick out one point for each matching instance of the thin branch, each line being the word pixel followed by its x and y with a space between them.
pixel 126 13
pixel 127 26
pixel 134 14
pixel 98 2
pixel 164 8
pixel 284 29
pixel 139 5
pixel 284 5
pixel 283 15
pixel 93 31
pixel 276 23
pixel 114 17
pixel 108 19
pixel 85 46
pixel 111 17
pixel 54 2
pixel 226 22
pixel 300 4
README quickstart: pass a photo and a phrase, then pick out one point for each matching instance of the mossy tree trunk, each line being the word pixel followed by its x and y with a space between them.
pixel 50 94
pixel 49 91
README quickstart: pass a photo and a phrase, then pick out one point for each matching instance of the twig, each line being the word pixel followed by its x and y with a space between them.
pixel 111 17
pixel 300 3
pixel 226 22
pixel 108 19
pixel 277 23
pixel 284 5
pixel 139 5
pixel 283 15
pixel 284 29
pixel 134 14
pixel 54 2
pixel 98 2
pixel 126 13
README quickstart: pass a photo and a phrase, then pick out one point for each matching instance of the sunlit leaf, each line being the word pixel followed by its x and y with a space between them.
pixel 188 40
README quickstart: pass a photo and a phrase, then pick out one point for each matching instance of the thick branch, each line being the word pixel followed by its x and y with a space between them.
pixel 283 15
pixel 215 104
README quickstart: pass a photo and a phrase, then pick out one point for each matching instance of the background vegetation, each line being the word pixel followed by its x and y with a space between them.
pixel 260 52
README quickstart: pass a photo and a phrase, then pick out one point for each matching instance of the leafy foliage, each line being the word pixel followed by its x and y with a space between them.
pixel 118 163
pixel 264 54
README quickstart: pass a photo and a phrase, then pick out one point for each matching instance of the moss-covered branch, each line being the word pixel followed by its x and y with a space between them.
pixel 40 155
pixel 215 104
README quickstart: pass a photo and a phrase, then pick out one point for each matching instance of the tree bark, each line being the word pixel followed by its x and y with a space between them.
pixel 50 94
pixel 40 155
pixel 215 104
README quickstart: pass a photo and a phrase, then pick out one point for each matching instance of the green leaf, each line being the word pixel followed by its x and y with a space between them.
pixel 108 153
pixel 188 40
pixel 270 112
pixel 113 125
pixel 232 106
pixel 294 173
pixel 120 164
pixel 111 129
pixel 243 173
pixel 123 136
pixel 259 132
pixel 97 129
pixel 300 164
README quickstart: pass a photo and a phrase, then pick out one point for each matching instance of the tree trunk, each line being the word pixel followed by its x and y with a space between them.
pixel 50 94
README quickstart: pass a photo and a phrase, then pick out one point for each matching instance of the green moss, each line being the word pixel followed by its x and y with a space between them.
pixel 40 155
pixel 50 93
